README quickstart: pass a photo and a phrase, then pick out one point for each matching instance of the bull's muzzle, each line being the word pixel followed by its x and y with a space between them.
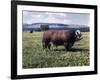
pixel 78 39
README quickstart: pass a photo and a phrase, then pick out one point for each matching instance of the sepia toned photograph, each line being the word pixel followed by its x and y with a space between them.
pixel 55 39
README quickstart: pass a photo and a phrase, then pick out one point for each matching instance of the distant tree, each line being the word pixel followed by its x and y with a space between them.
pixel 44 27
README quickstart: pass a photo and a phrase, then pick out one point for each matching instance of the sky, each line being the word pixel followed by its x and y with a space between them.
pixel 30 17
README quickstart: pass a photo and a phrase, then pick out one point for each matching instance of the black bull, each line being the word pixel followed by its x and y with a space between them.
pixel 66 38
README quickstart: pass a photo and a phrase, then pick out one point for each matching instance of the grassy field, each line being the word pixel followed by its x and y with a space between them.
pixel 35 57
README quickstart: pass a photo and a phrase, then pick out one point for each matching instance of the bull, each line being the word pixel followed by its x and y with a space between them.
pixel 67 38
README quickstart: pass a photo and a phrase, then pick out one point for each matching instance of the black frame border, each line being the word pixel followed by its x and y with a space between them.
pixel 14 39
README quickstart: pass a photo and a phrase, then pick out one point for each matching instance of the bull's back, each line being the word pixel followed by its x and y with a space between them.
pixel 62 35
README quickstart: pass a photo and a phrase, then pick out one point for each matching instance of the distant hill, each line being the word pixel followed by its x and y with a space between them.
pixel 55 26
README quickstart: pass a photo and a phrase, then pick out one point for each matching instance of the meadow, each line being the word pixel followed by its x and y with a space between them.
pixel 35 57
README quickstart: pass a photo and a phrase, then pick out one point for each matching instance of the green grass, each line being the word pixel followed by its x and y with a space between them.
pixel 35 57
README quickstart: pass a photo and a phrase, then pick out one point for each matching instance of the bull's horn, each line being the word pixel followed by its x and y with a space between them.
pixel 78 32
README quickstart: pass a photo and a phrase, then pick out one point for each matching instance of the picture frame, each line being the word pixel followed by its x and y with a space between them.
pixel 18 9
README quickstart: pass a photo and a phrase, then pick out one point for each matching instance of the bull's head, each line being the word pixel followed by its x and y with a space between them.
pixel 78 35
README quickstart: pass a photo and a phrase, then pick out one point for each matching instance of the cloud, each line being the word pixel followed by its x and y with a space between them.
pixel 30 17
pixel 44 17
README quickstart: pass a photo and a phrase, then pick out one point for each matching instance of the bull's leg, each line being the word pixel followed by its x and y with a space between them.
pixel 49 45
pixel 70 46
pixel 66 45
pixel 45 45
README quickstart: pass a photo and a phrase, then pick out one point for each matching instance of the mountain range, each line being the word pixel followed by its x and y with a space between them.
pixel 55 26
